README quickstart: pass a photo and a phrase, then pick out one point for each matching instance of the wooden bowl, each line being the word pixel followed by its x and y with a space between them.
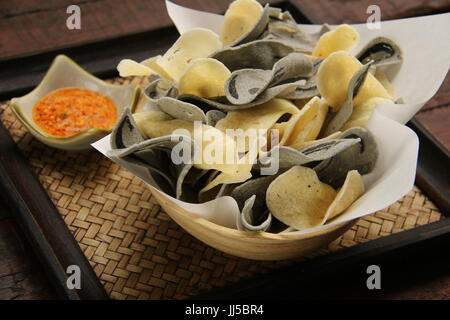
pixel 246 244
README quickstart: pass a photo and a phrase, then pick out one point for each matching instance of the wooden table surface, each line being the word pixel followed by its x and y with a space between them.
pixel 29 27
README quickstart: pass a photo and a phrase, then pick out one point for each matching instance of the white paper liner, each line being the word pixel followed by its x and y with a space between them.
pixel 425 43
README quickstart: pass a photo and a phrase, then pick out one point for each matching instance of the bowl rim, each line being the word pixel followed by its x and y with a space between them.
pixel 15 106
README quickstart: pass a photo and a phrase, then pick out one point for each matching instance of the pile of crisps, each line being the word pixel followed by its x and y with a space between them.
pixel 263 72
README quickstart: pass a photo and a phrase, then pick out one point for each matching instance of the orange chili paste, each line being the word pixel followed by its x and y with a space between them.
pixel 68 111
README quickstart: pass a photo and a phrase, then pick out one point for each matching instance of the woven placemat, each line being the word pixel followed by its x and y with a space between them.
pixel 136 250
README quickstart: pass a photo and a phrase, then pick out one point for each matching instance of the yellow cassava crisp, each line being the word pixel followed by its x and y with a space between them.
pixel 343 37
pixel 300 120
pixel 128 68
pixel 240 17
pixel 241 174
pixel 352 189
pixel 298 198
pixel 262 117
pixel 309 131
pixel 152 63
pixel 142 117
pixel 193 44
pixel 212 141
pixel 305 144
pixel 384 80
pixel 204 77
pixel 334 75
pixel 361 114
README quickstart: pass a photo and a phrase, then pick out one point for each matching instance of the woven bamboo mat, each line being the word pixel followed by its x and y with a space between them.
pixel 136 250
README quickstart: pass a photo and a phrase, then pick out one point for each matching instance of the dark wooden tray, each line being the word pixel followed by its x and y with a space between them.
pixel 327 276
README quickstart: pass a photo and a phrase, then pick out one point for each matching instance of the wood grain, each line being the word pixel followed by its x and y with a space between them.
pixel 42 224
pixel 29 27
pixel 441 98
pixel 32 26
pixel 21 276
pixel 38 30
pixel 336 12
pixel 437 121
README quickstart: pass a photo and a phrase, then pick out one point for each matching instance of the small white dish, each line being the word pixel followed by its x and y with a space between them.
pixel 65 73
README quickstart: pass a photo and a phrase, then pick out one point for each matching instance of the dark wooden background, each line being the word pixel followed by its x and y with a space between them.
pixel 29 27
